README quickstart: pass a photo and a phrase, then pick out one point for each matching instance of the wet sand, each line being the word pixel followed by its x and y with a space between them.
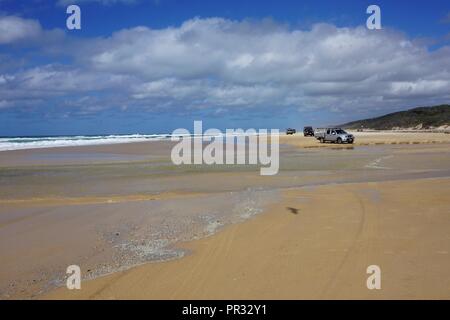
pixel 308 248
pixel 111 208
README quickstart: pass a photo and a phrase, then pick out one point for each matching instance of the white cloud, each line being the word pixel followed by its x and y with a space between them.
pixel 55 80
pixel 14 29
pixel 226 63
pixel 215 64
pixel 5 104
pixel 17 30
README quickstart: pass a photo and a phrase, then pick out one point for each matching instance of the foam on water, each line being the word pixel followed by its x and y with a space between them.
pixel 158 241
pixel 20 143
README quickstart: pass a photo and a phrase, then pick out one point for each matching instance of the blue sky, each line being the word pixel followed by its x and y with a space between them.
pixel 152 66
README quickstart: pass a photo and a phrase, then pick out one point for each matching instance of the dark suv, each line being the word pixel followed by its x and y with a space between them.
pixel 290 131
pixel 308 131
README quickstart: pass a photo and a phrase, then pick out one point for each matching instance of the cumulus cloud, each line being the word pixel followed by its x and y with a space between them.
pixel 219 64
pixel 14 29
pixel 57 81
pixel 227 63
pixel 17 30
pixel 5 104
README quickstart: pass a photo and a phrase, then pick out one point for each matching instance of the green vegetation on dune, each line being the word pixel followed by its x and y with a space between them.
pixel 422 117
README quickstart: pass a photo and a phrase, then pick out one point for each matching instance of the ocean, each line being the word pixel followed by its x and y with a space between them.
pixel 35 142
pixel 18 143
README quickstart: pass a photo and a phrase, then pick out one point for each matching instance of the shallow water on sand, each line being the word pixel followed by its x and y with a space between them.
pixel 107 210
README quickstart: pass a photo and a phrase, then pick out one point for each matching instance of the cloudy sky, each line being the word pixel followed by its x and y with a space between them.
pixel 152 66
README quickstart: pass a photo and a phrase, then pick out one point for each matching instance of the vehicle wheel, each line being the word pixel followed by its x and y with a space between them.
pixel 351 142
pixel 339 140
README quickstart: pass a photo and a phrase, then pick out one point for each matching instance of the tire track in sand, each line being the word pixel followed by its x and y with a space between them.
pixel 351 260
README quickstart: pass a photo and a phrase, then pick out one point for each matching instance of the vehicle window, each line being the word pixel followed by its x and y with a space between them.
pixel 340 132
pixel 328 131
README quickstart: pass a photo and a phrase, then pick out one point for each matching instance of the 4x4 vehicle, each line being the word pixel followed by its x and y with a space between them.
pixel 308 131
pixel 290 131
pixel 333 135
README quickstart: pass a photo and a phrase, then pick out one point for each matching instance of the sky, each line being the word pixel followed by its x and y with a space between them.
pixel 153 66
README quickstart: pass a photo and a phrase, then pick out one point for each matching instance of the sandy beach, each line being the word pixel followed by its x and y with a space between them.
pixel 211 157
pixel 308 248
pixel 140 227
pixel 367 138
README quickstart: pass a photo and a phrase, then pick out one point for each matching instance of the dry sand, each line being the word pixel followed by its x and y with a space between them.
pixel 368 138
pixel 315 243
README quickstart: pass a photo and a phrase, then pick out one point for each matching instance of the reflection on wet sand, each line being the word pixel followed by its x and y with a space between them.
pixel 117 206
